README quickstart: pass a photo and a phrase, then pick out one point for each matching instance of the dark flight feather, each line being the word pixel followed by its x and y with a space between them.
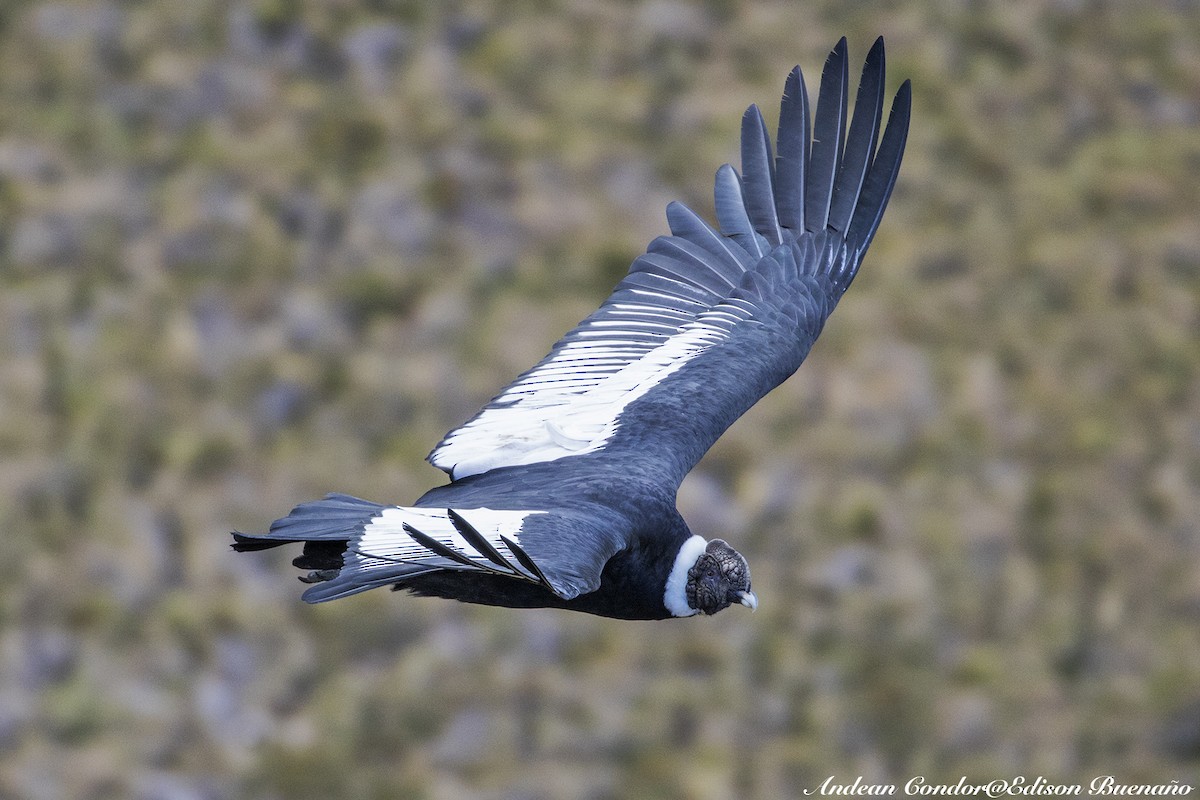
pixel 860 142
pixel 877 188
pixel 758 177
pixel 791 164
pixel 827 138
pixel 730 203
pixel 527 562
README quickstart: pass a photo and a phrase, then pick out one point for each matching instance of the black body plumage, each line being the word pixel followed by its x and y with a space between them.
pixel 563 487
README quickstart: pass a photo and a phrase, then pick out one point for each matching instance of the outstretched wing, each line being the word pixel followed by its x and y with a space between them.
pixel 709 320
pixel 352 545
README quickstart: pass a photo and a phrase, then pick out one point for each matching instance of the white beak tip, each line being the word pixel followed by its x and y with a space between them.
pixel 749 600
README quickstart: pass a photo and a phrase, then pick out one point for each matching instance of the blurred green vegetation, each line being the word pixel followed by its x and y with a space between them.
pixel 255 251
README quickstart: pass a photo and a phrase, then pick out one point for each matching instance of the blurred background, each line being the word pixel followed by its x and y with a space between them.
pixel 255 251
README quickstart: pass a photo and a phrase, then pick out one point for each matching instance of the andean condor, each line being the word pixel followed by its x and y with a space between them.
pixel 562 489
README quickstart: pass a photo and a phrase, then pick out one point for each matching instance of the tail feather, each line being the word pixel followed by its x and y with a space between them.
pixel 325 527
pixel 336 516
pixel 250 542
pixel 321 556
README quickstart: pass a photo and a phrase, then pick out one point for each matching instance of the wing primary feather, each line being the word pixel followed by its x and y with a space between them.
pixel 860 141
pixel 758 176
pixel 730 202
pixel 791 162
pixel 877 188
pixel 828 128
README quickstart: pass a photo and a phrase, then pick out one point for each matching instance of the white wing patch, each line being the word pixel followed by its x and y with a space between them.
pixel 429 539
pixel 570 403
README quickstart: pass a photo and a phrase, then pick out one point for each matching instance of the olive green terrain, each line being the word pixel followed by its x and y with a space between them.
pixel 251 252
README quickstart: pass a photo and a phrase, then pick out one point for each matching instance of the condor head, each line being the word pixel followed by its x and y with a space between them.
pixel 719 578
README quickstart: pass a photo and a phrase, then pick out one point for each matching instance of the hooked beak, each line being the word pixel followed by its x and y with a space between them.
pixel 748 600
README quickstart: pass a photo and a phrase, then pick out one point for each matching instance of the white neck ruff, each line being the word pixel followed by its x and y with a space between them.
pixel 675 596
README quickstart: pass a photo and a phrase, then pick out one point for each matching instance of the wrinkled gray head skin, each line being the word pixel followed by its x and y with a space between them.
pixel 719 578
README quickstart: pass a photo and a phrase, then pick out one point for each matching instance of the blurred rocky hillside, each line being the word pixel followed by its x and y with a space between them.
pixel 251 252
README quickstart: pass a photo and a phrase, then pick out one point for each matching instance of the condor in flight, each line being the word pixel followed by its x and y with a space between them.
pixel 562 489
